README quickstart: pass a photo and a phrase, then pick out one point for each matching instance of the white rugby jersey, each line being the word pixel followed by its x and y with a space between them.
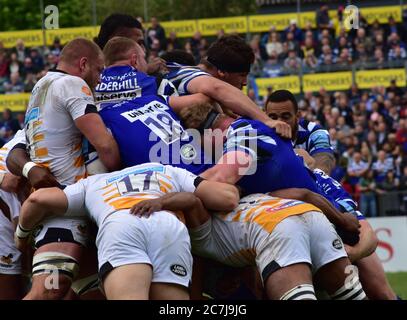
pixel 107 193
pixel 53 140
pixel 6 218
pixel 19 137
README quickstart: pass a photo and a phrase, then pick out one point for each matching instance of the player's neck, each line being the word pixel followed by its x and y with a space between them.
pixel 121 63
pixel 68 69
pixel 223 122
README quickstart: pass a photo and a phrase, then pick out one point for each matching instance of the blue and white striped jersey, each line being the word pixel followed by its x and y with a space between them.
pixel 180 76
pixel 312 138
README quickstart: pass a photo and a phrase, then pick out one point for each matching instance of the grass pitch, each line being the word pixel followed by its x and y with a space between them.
pixel 398 281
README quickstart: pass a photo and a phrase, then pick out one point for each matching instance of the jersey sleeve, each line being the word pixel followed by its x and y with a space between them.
pixel 75 194
pixel 185 181
pixel 166 88
pixel 78 98
pixel 319 141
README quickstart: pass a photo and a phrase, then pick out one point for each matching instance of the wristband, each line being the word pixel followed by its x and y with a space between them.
pixel 27 167
pixel 22 233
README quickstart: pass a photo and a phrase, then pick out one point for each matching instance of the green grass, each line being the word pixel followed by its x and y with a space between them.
pixel 398 281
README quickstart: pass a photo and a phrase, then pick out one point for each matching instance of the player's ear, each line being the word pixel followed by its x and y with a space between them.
pixel 221 74
pixel 82 63
pixel 134 60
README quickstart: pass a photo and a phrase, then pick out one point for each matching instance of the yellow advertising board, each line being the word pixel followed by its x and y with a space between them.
pixel 329 81
pixel 68 34
pixel 31 38
pixel 210 27
pixel 374 78
pixel 184 28
pixel 261 23
pixel 291 83
pixel 16 102
pixel 382 13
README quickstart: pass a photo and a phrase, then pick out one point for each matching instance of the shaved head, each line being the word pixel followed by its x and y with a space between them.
pixel 82 58
pixel 79 48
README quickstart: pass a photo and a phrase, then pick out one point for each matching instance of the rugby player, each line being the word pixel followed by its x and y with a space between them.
pixel 282 105
pixel 124 25
pixel 10 258
pixel 61 112
pixel 221 76
pixel 291 242
pixel 138 258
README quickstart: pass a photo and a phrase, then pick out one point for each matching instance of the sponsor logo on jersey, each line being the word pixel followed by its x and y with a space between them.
pixel 288 204
pixel 337 244
pixel 86 90
pixel 6 261
pixel 178 270
pixel 188 152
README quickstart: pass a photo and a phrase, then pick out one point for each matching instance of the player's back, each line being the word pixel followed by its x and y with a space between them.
pixel 107 193
pixel 119 83
pixel 53 140
pixel 278 167
pixel 147 130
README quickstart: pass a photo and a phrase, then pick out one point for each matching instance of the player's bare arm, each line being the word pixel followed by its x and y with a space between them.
pixel 93 128
pixel 324 161
pixel 234 100
pixel 38 176
pixel 366 245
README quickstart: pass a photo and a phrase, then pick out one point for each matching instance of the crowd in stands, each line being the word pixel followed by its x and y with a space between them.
pixel 368 128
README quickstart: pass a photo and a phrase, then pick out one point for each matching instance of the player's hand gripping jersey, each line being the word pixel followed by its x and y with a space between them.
pixel 53 140
pixel 312 138
pixel 119 83
pixel 147 130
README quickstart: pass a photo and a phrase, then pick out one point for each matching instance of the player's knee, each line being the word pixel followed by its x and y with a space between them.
pixel 45 290
pixel 300 292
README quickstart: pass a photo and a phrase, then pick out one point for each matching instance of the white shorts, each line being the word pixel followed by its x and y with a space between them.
pixel 307 238
pixel 161 241
pixel 10 256
pixel 62 229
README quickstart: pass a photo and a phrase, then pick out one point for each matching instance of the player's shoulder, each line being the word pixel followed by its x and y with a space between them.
pixel 309 126
pixel 70 83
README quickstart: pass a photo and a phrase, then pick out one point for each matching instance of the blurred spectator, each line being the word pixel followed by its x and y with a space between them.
pixel 9 122
pixel 20 50
pixel 381 166
pixel 56 47
pixel 393 28
pixel 29 82
pixel 15 84
pixel 36 59
pixel 356 169
pixel 401 135
pixel 173 42
pixel 4 70
pixel 273 46
pixel 323 20
pixel 156 39
pixel 14 65
pixel 293 28
pixel 368 195
pixel 292 63
pixel 390 183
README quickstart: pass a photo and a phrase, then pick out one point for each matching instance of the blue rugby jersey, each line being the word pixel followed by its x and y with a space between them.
pixel 120 83
pixel 333 189
pixel 312 138
pixel 278 167
pixel 147 130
